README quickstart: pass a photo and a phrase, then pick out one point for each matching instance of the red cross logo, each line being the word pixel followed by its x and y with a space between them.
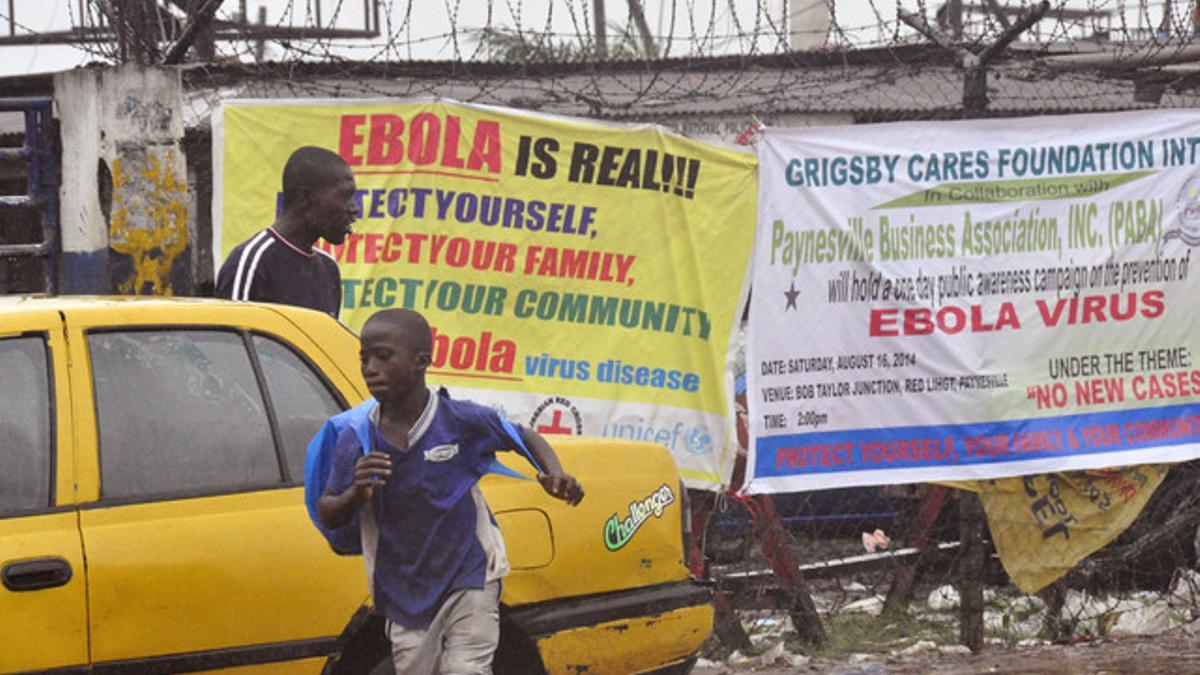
pixel 555 426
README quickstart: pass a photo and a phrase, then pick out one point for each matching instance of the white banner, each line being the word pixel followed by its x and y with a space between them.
pixel 971 300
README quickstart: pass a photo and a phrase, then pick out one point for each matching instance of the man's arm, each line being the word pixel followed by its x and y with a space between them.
pixel 555 481
pixel 224 287
pixel 337 290
pixel 370 470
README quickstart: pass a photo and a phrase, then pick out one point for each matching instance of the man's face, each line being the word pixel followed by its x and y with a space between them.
pixel 390 365
pixel 332 208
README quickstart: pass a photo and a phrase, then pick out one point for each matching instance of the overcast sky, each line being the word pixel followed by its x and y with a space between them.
pixel 424 35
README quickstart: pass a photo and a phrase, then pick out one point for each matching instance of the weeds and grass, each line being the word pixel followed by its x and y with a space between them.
pixel 852 633
pixel 1015 619
pixel 715 650
pixel 1010 619
pixel 1009 632
pixel 861 633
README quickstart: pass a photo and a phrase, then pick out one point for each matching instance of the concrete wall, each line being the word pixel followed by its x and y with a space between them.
pixel 124 196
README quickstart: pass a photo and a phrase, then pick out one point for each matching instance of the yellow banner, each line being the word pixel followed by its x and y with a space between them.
pixel 1044 525
pixel 584 277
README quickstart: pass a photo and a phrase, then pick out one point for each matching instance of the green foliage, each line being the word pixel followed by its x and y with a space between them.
pixel 861 633
pixel 514 46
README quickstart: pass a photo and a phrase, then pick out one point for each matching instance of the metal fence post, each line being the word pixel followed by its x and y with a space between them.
pixel 971 562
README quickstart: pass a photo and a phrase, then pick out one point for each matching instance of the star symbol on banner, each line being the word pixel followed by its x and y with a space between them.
pixel 792 294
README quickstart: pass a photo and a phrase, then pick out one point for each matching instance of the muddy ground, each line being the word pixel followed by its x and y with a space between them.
pixel 1176 651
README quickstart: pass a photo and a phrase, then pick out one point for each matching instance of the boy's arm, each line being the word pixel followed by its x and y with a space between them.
pixel 335 510
pixel 555 481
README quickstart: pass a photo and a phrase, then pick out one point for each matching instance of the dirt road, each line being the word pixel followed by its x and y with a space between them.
pixel 1174 652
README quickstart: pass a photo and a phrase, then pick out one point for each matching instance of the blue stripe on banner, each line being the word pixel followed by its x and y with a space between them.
pixel 984 443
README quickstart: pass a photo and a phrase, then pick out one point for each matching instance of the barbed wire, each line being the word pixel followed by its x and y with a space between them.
pixel 735 58
pixel 559 29
pixel 723 57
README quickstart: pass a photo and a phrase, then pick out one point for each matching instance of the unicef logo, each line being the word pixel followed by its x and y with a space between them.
pixel 674 434
pixel 698 440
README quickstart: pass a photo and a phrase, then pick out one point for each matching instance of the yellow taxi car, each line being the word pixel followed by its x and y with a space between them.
pixel 152 516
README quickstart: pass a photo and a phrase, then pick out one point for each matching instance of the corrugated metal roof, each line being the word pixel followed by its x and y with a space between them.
pixel 891 88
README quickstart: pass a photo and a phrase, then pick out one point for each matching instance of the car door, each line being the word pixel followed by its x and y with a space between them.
pixel 43 611
pixel 200 550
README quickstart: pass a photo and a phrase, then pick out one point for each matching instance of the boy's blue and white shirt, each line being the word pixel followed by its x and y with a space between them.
pixel 428 531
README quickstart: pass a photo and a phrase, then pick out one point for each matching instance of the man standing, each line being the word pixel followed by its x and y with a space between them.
pixel 281 264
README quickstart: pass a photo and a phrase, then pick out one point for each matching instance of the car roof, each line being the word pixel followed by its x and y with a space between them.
pixel 66 303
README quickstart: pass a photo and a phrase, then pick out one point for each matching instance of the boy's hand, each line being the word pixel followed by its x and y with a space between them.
pixel 370 470
pixel 563 486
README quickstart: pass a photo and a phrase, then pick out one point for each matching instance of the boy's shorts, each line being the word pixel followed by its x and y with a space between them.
pixel 462 639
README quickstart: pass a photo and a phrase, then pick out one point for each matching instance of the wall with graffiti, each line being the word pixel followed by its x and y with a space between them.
pixel 148 228
pixel 125 200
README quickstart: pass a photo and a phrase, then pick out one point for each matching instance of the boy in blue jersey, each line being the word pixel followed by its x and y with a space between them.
pixel 434 554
